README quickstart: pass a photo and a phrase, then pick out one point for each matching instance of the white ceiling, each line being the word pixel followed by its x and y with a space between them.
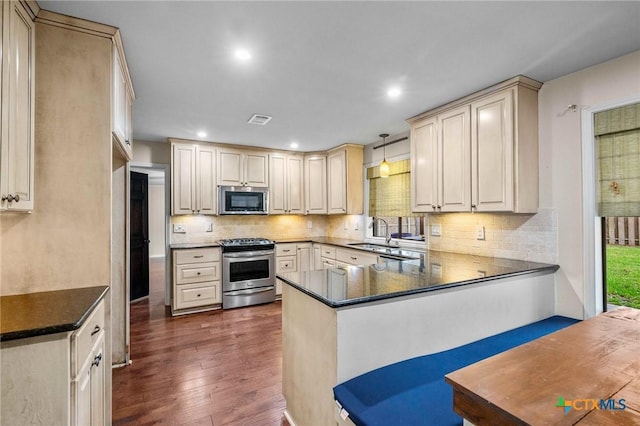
pixel 322 69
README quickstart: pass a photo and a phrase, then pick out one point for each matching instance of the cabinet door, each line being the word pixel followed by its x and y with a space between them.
pixel 317 257
pixel 206 189
pixel 98 368
pixel 81 394
pixel 295 175
pixel 455 159
pixel 337 188
pixel 278 184
pixel 424 166
pixel 230 164
pixel 315 184
pixel 304 257
pixel 183 175
pixel 121 107
pixel 17 135
pixel 256 169
pixel 492 149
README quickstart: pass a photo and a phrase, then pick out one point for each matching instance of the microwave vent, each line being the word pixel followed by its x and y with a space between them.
pixel 259 119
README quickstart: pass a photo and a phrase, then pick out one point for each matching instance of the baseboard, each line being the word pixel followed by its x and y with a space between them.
pixel 288 417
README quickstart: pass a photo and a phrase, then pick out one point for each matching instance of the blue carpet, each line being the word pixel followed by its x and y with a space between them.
pixel 413 392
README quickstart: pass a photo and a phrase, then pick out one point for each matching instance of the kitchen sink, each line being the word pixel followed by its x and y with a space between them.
pixel 389 250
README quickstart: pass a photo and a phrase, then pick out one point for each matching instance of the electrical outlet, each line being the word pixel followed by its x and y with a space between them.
pixel 436 230
pixel 480 232
pixel 356 226
pixel 436 270
pixel 482 274
pixel 346 225
pixel 209 227
pixel 309 224
pixel 179 229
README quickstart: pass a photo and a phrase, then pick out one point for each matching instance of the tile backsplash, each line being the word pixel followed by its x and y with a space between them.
pixel 515 236
pixel 273 227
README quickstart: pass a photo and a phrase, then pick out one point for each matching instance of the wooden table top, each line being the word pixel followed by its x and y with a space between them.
pixel 560 378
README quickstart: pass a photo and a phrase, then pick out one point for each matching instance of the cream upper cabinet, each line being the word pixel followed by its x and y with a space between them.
pixel 17 135
pixel 345 180
pixel 286 184
pixel 193 185
pixel 122 100
pixel 315 184
pixel 504 142
pixel 479 153
pixel 243 167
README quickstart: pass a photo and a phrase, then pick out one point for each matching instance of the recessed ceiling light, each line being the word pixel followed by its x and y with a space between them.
pixel 293 145
pixel 202 134
pixel 394 92
pixel 242 54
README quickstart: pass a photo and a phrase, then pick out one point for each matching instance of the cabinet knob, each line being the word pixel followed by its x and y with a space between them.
pixel 354 258
pixel 434 207
pixel 96 360
pixel 198 294
pixel 127 142
pixel 4 197
pixel 198 273
pixel 473 207
pixel 10 198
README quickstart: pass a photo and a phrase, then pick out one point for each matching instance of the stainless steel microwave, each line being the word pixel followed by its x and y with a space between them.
pixel 243 200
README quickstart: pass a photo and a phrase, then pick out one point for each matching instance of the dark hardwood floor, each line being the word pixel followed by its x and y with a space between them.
pixel 212 368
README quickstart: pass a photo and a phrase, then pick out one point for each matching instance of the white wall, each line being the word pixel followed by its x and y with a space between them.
pixel 156 220
pixel 561 182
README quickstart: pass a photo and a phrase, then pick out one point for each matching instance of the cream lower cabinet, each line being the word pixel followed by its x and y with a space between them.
pixel 57 379
pixel 292 257
pixel 332 257
pixel 240 167
pixel 17 108
pixel 479 153
pixel 193 184
pixel 315 184
pixel 286 177
pixel 197 282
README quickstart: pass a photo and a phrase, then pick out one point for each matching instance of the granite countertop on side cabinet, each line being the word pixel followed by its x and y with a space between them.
pixel 48 312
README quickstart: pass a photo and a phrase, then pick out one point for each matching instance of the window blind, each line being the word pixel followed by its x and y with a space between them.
pixel 617 133
pixel 391 196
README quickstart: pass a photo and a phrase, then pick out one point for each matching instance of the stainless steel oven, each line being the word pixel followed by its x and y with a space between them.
pixel 248 272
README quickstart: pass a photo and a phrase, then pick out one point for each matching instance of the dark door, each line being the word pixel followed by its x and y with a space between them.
pixel 139 238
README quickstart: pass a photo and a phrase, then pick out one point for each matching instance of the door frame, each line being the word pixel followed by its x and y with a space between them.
pixel 592 243
pixel 167 209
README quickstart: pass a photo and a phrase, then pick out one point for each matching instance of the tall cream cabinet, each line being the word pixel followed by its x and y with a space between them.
pixel 286 190
pixel 123 97
pixel 345 193
pixel 315 184
pixel 193 184
pixel 239 167
pixel 18 101
pixel 479 153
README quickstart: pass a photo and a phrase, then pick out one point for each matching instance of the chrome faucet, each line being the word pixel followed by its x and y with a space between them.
pixel 386 228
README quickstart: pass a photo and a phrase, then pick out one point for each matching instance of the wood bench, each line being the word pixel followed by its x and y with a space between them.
pixel 413 392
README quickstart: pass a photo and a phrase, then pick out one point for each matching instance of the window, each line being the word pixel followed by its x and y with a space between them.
pixel 390 200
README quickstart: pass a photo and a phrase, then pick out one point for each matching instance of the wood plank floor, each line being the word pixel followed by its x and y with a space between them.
pixel 213 368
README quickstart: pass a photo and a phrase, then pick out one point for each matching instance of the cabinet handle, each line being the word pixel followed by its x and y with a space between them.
pixel 127 142
pixel 4 197
pixel 198 257
pixel 96 330
pixel 96 360
pixel 10 197
pixel 434 207
pixel 286 251
pixel 354 258
pixel 473 207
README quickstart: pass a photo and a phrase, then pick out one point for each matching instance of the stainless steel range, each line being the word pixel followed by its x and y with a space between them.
pixel 248 272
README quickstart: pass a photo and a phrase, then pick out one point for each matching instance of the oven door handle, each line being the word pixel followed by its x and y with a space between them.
pixel 247 255
pixel 249 291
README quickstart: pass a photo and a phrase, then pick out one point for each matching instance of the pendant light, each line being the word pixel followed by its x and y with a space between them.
pixel 384 166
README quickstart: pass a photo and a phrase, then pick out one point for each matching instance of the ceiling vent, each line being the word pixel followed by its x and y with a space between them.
pixel 259 119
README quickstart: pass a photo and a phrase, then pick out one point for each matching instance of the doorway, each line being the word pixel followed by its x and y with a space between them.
pixel 157 225
pixel 139 236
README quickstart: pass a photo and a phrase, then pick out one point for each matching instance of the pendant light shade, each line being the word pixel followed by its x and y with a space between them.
pixel 384 166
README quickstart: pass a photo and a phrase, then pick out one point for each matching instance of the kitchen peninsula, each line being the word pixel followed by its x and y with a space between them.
pixel 341 322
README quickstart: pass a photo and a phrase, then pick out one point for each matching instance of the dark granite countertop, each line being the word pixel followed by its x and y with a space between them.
pixel 48 312
pixel 181 246
pixel 395 278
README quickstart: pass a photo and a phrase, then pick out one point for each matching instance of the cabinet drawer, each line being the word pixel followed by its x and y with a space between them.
pixel 197 273
pixel 197 256
pixel 201 294
pixel 355 257
pixel 286 264
pixel 328 252
pixel 286 249
pixel 83 340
